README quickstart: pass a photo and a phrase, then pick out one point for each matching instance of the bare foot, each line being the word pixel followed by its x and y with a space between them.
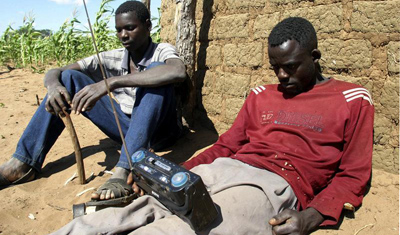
pixel 119 173
pixel 14 169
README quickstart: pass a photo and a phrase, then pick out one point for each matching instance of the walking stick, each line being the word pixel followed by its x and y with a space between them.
pixel 75 142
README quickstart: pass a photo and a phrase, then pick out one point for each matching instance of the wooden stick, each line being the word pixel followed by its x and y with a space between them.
pixel 78 155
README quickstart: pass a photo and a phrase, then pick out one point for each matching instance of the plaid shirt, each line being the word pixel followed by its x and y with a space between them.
pixel 116 63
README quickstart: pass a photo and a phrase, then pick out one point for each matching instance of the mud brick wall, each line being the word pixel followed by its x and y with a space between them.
pixel 359 41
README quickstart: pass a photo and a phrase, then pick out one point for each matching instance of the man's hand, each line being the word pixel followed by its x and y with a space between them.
pixel 138 191
pixel 86 98
pixel 57 100
pixel 296 223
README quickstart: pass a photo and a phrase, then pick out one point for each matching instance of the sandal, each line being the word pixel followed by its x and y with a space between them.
pixel 28 176
pixel 122 191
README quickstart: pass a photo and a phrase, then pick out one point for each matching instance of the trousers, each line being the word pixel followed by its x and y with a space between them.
pixel 246 198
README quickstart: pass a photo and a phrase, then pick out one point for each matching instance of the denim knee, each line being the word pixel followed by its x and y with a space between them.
pixel 75 80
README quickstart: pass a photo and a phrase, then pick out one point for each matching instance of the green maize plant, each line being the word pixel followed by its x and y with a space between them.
pixel 105 37
pixel 9 47
pixel 30 48
pixel 155 34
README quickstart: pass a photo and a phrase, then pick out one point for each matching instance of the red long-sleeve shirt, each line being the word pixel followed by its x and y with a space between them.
pixel 320 141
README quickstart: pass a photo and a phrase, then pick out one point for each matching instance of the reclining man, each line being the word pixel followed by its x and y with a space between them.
pixel 295 154
pixel 141 76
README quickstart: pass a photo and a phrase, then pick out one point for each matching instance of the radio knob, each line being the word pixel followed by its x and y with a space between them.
pixel 138 156
pixel 179 179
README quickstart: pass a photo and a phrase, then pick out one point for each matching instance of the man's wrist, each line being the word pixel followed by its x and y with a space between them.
pixel 313 218
pixel 112 83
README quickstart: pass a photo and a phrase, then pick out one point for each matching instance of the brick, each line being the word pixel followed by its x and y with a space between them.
pixel 393 56
pixel 281 2
pixel 339 54
pixel 381 129
pixel 212 103
pixel 208 83
pixel 219 83
pixel 389 99
pixel 376 16
pixel 234 106
pixel 236 84
pixel 385 158
pixel 168 33
pixel 245 3
pixel 366 82
pixel 214 56
pixel 233 26
pixel 247 54
pixel 325 19
pixel 258 79
pixel 264 24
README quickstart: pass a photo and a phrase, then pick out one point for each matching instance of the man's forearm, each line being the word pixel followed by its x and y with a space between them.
pixel 52 78
pixel 155 77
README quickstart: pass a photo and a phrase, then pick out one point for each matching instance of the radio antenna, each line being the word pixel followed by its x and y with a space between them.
pixel 108 89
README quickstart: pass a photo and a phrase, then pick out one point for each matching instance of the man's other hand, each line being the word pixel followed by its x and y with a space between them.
pixel 296 223
pixel 86 98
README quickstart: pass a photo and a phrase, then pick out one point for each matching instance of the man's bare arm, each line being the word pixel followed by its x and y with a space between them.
pixel 173 71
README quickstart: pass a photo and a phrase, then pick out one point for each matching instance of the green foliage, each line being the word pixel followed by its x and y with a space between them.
pixel 155 34
pixel 30 48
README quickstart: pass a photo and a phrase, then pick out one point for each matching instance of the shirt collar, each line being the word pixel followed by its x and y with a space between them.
pixel 146 60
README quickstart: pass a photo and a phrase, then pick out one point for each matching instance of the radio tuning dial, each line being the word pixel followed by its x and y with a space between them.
pixel 179 179
pixel 138 156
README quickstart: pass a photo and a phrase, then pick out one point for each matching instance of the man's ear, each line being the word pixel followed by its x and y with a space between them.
pixel 316 55
pixel 148 24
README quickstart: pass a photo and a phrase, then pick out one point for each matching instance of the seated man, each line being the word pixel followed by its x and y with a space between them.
pixel 141 76
pixel 295 154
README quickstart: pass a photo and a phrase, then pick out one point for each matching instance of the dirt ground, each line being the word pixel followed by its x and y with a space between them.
pixel 44 205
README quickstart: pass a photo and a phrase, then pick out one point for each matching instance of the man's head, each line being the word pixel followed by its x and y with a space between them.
pixel 133 25
pixel 293 54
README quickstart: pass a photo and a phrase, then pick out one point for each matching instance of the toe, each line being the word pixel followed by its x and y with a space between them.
pixel 95 196
pixel 108 194
pixel 103 195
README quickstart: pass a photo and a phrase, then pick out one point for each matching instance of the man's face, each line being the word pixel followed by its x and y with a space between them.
pixel 132 33
pixel 294 66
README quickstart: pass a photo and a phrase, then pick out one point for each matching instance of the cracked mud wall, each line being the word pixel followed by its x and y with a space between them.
pixel 359 41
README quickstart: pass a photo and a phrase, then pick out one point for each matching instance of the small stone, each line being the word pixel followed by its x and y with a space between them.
pixel 31 216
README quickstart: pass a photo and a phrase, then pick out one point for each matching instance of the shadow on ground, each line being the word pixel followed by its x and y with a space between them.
pixel 184 149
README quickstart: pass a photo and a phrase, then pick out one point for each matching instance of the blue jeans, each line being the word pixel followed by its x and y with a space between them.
pixel 153 122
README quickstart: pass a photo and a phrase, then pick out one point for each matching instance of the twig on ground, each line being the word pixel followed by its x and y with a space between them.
pixel 366 226
pixel 91 176
pixel 57 207
pixel 70 179
pixel 37 100
pixel 84 191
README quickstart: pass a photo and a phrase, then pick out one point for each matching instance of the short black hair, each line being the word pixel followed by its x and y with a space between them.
pixel 142 13
pixel 294 28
